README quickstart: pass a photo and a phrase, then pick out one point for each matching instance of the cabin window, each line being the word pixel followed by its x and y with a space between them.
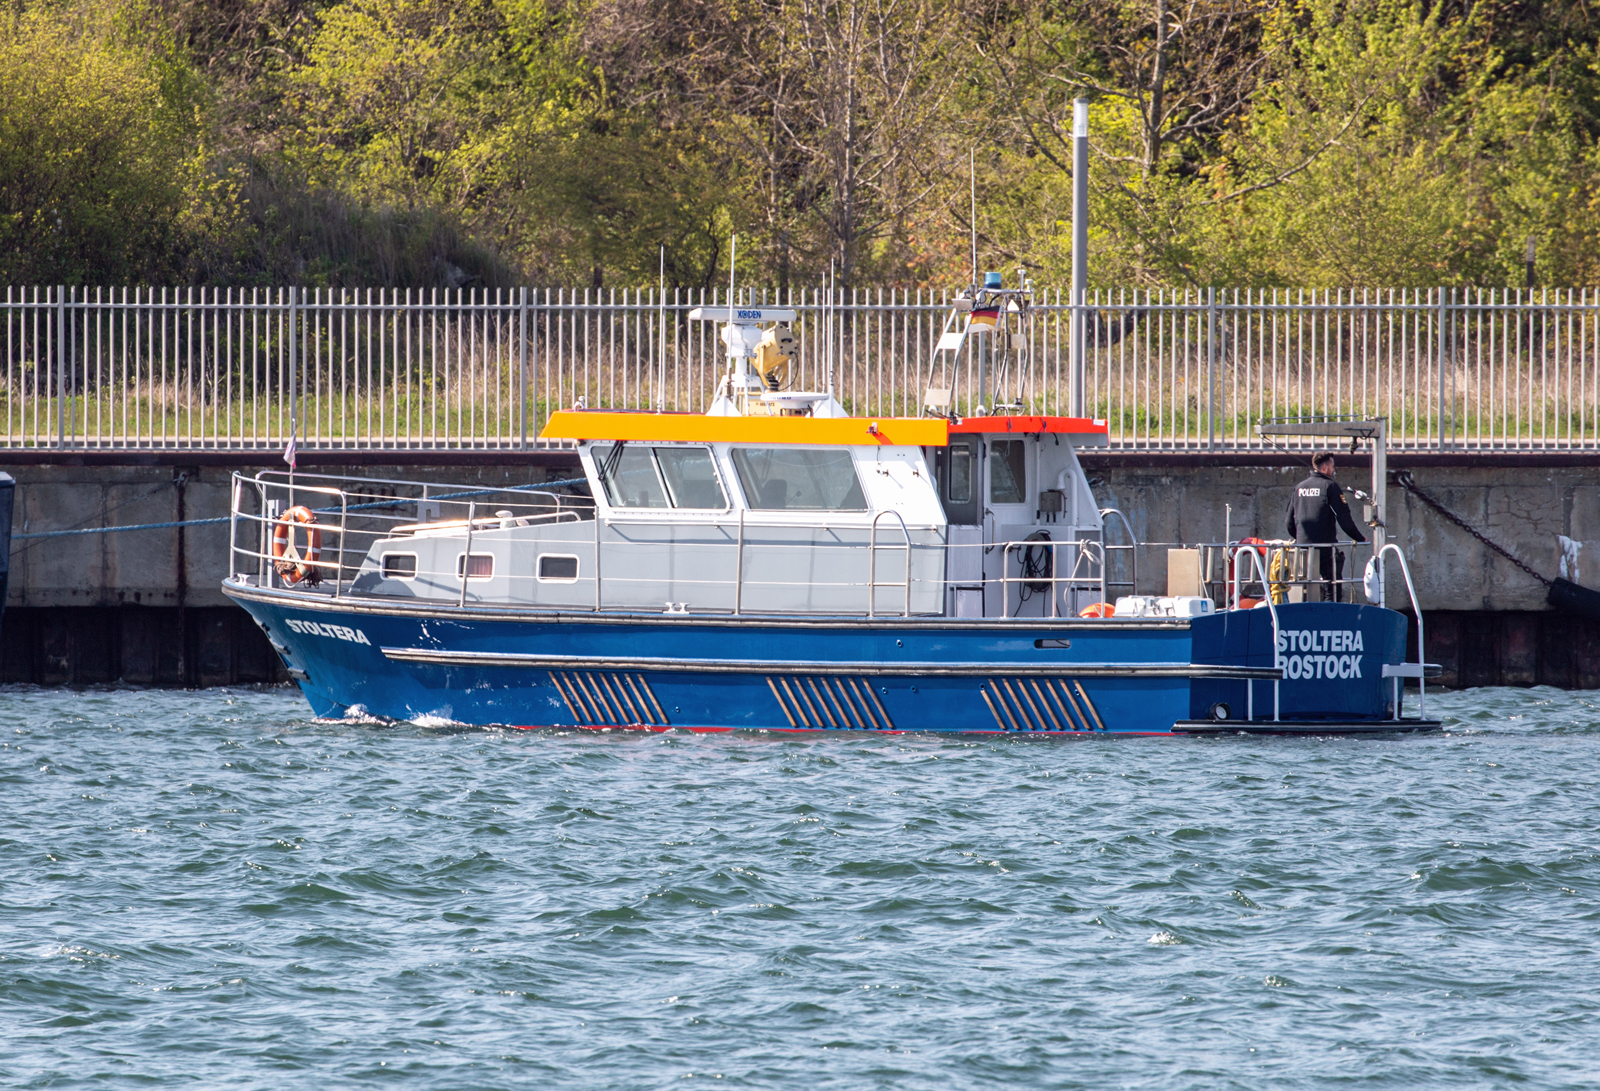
pixel 479 567
pixel 558 568
pixel 1008 471
pixel 691 477
pixel 399 566
pixel 960 491
pixel 788 478
pixel 629 475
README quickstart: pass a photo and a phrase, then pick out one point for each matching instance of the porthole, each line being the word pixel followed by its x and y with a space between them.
pixel 558 568
pixel 399 566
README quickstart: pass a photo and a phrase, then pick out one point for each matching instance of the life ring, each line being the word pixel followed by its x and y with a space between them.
pixel 287 559
pixel 1098 609
pixel 1233 551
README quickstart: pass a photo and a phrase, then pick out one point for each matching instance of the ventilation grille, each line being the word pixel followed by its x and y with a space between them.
pixel 608 698
pixel 829 701
pixel 1040 704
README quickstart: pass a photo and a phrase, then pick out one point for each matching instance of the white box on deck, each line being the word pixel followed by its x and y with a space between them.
pixel 1163 606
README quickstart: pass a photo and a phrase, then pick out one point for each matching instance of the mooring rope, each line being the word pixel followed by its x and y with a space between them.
pixel 1410 485
pixel 321 511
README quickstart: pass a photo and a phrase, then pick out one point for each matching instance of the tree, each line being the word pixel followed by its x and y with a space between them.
pixel 103 164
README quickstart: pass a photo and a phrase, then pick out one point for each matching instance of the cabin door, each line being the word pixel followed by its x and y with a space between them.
pixel 959 480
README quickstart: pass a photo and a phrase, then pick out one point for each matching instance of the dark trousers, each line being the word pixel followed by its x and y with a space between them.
pixel 1330 567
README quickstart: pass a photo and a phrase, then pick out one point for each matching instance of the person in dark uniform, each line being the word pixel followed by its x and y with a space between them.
pixel 1316 512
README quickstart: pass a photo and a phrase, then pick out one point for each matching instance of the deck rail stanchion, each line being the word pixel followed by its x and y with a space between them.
pixel 1258 562
pixel 738 568
pixel 344 517
pixel 466 556
pixel 1416 670
pixel 233 523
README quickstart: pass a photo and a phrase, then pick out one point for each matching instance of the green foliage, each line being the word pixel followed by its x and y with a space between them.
pixel 1309 143
pixel 103 163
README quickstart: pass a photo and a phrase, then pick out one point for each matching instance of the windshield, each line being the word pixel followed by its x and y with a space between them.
pixel 629 476
pixel 691 478
pixel 787 478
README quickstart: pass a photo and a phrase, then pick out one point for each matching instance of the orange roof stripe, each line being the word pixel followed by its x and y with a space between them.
pixel 696 428
pixel 1075 425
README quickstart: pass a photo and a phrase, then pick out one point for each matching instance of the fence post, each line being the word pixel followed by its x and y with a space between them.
pixel 1211 369
pixel 522 366
pixel 61 365
pixel 1438 377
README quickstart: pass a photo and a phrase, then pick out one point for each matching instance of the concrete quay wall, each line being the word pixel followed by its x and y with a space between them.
pixel 92 608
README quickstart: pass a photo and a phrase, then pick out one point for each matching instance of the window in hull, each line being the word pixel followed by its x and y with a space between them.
pixel 399 566
pixel 558 568
pixel 479 567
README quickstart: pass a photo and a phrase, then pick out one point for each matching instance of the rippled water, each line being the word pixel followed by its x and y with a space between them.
pixel 207 889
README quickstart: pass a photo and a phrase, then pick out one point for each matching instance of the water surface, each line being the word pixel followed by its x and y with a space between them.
pixel 208 889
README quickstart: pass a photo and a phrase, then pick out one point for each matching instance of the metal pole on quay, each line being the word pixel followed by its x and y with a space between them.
pixel 1080 247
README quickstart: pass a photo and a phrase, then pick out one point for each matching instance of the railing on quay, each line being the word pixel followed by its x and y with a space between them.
pixel 243 369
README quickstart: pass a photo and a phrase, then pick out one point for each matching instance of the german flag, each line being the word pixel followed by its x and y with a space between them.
pixel 983 319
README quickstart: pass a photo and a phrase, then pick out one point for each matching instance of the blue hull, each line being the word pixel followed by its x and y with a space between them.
pixel 523 669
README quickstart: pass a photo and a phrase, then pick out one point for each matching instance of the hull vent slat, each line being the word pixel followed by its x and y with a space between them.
pixel 608 699
pixel 824 701
pixel 1033 704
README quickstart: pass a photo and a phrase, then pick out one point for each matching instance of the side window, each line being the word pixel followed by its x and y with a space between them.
pixel 960 491
pixel 399 566
pixel 796 479
pixel 558 568
pixel 1008 473
pixel 480 566
pixel 628 474
pixel 691 477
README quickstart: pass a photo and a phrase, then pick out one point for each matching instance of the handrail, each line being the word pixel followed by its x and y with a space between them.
pixel 1085 547
pixel 1255 553
pixel 1416 608
pixel 265 520
pixel 1132 549
pixel 872 561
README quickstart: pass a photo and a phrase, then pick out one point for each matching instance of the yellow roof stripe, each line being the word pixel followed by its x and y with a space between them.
pixel 696 428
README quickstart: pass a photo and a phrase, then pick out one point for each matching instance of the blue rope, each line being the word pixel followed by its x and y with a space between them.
pixel 352 507
pixel 113 530
pixel 458 495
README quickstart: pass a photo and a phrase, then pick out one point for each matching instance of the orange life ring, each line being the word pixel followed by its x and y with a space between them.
pixel 1098 609
pixel 287 559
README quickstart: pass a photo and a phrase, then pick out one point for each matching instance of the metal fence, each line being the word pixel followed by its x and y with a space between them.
pixel 152 368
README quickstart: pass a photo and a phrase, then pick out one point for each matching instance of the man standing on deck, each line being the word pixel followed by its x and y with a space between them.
pixel 1316 512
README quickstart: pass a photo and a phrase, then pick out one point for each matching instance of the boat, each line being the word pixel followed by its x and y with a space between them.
pixel 778 565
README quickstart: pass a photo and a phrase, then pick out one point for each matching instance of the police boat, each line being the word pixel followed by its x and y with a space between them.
pixel 778 565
